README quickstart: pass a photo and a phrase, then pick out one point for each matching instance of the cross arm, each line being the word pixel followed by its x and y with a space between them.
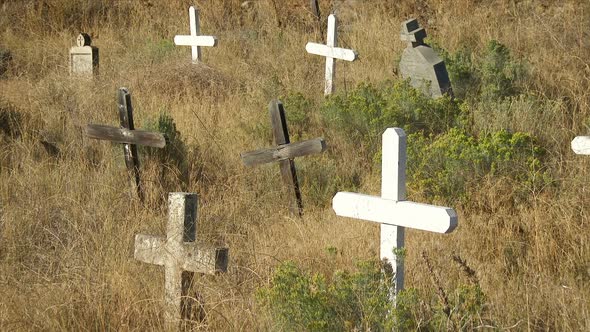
pixel 581 145
pixel 282 152
pixel 400 213
pixel 123 135
pixel 331 52
pixel 187 40
pixel 204 260
pixel 150 249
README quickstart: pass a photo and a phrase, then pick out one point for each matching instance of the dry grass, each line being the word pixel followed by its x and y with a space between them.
pixel 67 222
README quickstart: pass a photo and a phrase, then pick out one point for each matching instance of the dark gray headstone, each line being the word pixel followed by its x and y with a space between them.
pixel 426 70
pixel 84 57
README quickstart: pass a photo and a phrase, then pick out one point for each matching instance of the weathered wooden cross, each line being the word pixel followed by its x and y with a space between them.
pixel 284 152
pixel 331 52
pixel 127 135
pixel 181 257
pixel 194 40
pixel 581 145
pixel 392 210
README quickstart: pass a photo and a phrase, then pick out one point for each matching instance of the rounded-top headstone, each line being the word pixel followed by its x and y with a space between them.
pixel 84 39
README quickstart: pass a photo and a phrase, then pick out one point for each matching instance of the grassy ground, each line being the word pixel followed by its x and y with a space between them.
pixel 68 218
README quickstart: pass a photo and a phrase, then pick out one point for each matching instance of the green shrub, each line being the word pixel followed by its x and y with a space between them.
pixel 359 301
pixel 445 166
pixel 364 113
pixel 300 301
pixel 172 158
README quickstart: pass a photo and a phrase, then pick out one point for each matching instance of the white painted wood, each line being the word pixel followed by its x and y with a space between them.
pixel 331 52
pixel 392 210
pixel 581 145
pixel 393 186
pixel 195 40
pixel 425 217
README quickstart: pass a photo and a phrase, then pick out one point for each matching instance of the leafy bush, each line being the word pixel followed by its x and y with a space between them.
pixel 172 157
pixel 300 301
pixel 359 301
pixel 445 166
pixel 364 113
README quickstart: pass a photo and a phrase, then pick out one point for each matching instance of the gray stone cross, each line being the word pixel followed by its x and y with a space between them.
pixel 180 255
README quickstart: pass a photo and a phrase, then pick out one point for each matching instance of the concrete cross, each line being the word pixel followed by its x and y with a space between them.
pixel 194 40
pixel 392 210
pixel 180 255
pixel 331 52
pixel 581 145
pixel 412 33
pixel 128 136
pixel 284 152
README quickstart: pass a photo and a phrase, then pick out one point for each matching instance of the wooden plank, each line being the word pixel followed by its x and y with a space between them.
pixel 426 217
pixel 331 52
pixel 278 121
pixel 195 30
pixel 393 187
pixel 122 135
pixel 581 145
pixel 185 40
pixel 129 150
pixel 282 152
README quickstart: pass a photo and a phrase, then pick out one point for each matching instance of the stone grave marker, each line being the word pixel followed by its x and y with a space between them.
pixel 284 152
pixel 392 210
pixel 195 40
pixel 419 62
pixel 331 52
pixel 128 136
pixel 181 255
pixel 581 145
pixel 84 57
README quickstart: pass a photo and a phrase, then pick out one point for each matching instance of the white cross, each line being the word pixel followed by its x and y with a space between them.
pixel 392 210
pixel 581 145
pixel 331 52
pixel 194 40
pixel 178 252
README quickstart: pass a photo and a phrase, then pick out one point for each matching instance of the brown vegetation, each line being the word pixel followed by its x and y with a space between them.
pixel 68 217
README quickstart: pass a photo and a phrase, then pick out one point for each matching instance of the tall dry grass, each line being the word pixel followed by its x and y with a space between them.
pixel 68 219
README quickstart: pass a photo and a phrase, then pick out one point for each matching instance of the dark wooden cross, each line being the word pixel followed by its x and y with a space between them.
pixel 284 152
pixel 128 136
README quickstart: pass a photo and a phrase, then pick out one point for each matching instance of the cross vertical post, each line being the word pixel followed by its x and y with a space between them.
pixel 129 150
pixel 284 152
pixel 181 257
pixel 330 63
pixel 281 137
pixel 195 24
pixel 331 52
pixel 393 187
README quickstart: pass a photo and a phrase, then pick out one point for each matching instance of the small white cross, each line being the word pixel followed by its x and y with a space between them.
pixel 331 52
pixel 581 145
pixel 179 254
pixel 194 40
pixel 392 210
